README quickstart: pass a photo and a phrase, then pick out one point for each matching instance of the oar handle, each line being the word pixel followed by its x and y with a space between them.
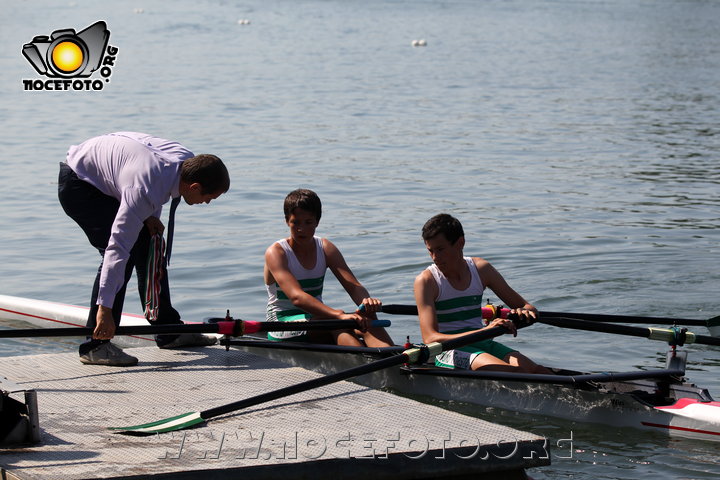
pixel 480 335
pixel 254 327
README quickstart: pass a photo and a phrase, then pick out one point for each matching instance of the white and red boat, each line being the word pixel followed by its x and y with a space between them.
pixel 44 314
pixel 661 400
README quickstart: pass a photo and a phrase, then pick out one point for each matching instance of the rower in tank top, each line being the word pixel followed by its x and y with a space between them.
pixel 449 294
pixel 294 275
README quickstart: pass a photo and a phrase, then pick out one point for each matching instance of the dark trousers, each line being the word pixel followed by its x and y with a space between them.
pixel 95 213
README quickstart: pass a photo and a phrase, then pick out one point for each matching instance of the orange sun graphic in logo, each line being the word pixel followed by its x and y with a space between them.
pixel 67 56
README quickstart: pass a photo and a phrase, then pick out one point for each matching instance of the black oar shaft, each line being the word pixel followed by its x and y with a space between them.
pixel 394 309
pixel 304 386
pixel 595 327
pixel 707 340
pixel 221 326
pixel 400 309
pixel 598 317
pixel 87 331
pixel 399 359
pixel 411 355
pixel 644 332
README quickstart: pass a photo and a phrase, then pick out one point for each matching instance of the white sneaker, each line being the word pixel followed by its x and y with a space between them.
pixel 191 340
pixel 108 354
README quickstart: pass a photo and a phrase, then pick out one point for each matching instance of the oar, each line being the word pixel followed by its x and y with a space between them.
pixel 598 317
pixel 411 355
pixel 234 328
pixel 711 324
pixel 672 336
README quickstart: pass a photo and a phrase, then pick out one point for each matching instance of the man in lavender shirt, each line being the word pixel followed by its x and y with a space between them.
pixel 114 186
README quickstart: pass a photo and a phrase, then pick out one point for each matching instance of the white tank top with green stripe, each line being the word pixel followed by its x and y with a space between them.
pixel 458 310
pixel 279 307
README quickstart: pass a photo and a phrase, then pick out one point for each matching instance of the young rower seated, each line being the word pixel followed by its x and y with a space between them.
pixel 449 295
pixel 294 274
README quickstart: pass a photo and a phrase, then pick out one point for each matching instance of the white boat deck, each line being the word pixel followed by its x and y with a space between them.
pixel 342 430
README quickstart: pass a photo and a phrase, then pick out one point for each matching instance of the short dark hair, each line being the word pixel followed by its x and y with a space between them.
pixel 207 170
pixel 305 199
pixel 445 224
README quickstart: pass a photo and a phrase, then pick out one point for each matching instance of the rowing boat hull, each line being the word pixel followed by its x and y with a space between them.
pixel 608 403
pixel 691 413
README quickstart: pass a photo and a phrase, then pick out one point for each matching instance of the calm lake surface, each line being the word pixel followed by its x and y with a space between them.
pixel 577 141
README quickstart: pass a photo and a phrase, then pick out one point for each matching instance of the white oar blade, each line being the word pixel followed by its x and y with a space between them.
pixel 180 422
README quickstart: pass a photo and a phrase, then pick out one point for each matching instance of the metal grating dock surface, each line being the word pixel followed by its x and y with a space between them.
pixel 342 430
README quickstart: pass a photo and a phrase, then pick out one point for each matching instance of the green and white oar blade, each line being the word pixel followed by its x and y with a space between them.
pixel 171 424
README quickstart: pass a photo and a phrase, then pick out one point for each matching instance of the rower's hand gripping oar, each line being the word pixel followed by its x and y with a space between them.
pixel 223 326
pixel 411 355
pixel 712 324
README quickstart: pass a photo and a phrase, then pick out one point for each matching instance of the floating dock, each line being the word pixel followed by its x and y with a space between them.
pixel 342 430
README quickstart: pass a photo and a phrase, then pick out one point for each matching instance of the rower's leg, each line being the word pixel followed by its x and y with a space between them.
pixel 524 364
pixel 346 338
pixel 377 337
pixel 488 362
pixel 374 337
pixel 320 336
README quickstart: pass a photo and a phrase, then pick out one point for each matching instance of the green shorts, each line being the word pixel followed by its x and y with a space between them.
pixel 463 357
pixel 295 336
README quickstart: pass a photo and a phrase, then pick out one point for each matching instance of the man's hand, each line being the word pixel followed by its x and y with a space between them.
pixel 105 329
pixel 154 226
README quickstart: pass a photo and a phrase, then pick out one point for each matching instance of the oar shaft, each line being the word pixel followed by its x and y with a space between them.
pixel 394 309
pixel 253 327
pixel 221 326
pixel 597 317
pixel 408 356
pixel 575 324
pixel 304 386
pixel 661 334
pixel 130 330
pixel 411 355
